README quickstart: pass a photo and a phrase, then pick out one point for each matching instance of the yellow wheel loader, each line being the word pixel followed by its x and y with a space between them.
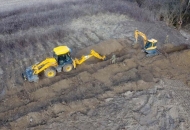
pixel 61 61
pixel 149 45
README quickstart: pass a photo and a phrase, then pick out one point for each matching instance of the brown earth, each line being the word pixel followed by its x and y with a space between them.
pixel 137 92
pixel 38 105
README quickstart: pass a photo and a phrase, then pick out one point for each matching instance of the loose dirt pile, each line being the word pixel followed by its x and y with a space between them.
pixel 130 93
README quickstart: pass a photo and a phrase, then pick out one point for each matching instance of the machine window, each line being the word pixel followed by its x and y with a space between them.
pixel 154 44
pixel 61 59
pixel 148 44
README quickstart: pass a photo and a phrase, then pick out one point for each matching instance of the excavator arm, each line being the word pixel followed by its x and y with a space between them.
pixel 84 58
pixel 137 33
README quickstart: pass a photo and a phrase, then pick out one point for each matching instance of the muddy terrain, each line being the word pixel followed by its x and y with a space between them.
pixel 137 92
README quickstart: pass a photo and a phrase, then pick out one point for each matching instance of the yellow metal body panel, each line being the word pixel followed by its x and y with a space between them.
pixel 137 33
pixel 151 48
pixel 48 62
pixel 153 40
pixel 60 50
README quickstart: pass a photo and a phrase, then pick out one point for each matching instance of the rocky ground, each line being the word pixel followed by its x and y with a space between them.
pixel 156 108
pixel 137 92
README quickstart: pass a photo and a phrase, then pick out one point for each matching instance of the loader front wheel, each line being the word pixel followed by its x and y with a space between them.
pixel 50 72
pixel 68 68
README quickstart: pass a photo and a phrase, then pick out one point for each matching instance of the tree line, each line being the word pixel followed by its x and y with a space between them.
pixel 172 12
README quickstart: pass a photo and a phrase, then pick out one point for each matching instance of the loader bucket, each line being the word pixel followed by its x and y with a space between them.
pixel 29 76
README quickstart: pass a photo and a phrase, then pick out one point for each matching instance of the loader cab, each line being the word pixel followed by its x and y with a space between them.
pixel 150 44
pixel 62 55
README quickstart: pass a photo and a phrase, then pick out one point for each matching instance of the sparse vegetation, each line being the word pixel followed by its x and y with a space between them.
pixel 26 26
pixel 22 29
pixel 173 12
pixel 27 35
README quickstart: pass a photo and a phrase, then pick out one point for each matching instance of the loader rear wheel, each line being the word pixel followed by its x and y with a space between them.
pixel 50 72
pixel 68 68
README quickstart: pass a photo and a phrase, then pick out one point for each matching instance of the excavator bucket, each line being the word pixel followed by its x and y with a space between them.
pixel 31 73
pixel 97 55
pixel 29 76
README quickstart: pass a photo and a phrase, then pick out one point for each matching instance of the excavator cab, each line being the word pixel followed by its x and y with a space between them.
pixel 63 58
pixel 62 55
pixel 150 44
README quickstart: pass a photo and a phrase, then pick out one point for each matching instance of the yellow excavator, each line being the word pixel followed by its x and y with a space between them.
pixel 149 45
pixel 61 61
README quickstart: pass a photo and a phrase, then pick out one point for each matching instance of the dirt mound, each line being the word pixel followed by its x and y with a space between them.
pixel 104 48
pixel 170 48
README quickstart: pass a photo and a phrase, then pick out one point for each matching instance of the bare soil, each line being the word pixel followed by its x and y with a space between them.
pixel 137 92
pixel 96 87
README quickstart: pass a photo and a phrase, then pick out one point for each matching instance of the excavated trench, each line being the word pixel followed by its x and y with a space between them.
pixel 137 92
pixel 90 81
